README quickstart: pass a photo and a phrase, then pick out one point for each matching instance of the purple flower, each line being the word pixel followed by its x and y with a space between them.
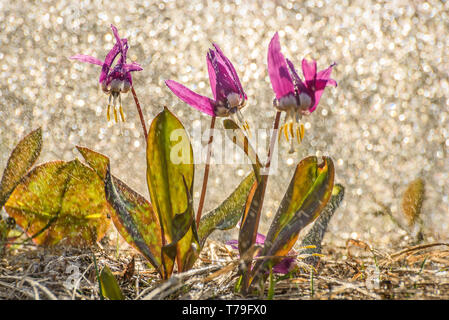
pixel 295 97
pixel 117 80
pixel 227 90
pixel 283 267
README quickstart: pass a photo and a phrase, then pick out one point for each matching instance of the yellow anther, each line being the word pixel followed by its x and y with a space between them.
pixel 108 114
pixel 122 114
pixel 298 135
pixel 115 114
pixel 290 127
pixel 286 132
pixel 303 131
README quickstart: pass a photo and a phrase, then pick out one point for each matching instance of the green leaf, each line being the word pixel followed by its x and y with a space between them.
pixel 316 234
pixel 251 213
pixel 95 160
pixel 236 134
pixel 308 193
pixel 133 215
pixel 135 219
pixel 109 285
pixel 412 200
pixel 61 200
pixel 170 173
pixel 228 213
pixel 20 161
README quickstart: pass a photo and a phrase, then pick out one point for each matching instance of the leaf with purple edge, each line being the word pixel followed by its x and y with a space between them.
pixel 308 193
pixel 133 215
pixel 170 173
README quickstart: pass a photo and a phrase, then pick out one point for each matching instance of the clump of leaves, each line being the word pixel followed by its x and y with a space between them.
pixel 307 195
pixel 164 231
pixel 54 201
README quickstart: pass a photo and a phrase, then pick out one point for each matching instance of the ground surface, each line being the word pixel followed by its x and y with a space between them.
pixel 351 272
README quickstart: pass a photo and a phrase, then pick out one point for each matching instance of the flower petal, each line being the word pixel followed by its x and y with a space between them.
pixel 309 70
pixel 212 77
pixel 301 87
pixel 110 57
pixel 323 80
pixel 284 266
pixel 117 38
pixel 128 67
pixel 225 82
pixel 233 243
pixel 88 59
pixel 326 75
pixel 281 80
pixel 231 69
pixel 204 104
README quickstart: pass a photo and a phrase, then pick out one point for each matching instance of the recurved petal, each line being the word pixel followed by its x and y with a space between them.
pixel 202 103
pixel 128 67
pixel 117 37
pixel 212 77
pixel 225 82
pixel 299 84
pixel 231 69
pixel 309 70
pixel 322 81
pixel 110 57
pixel 281 80
pixel 326 75
pixel 88 59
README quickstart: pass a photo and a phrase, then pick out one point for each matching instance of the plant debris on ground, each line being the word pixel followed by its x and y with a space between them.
pixel 354 271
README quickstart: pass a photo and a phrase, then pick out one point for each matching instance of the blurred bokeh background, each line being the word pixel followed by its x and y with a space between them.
pixel 386 124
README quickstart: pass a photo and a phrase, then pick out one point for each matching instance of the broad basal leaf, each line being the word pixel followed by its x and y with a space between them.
pixel 133 215
pixel 307 195
pixel 315 235
pixel 20 161
pixel 228 213
pixel 251 214
pixel 61 200
pixel 169 170
pixel 109 285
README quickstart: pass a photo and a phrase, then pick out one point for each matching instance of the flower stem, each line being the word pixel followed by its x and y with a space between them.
pixel 206 172
pixel 142 120
pixel 267 171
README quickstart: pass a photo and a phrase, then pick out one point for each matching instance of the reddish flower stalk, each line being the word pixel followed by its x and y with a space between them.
pixel 139 110
pixel 206 172
pixel 267 172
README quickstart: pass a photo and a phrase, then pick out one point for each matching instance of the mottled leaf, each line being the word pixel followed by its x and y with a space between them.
pixel 169 170
pixel 109 285
pixel 20 161
pixel 307 195
pixel 133 215
pixel 235 133
pixel 135 219
pixel 412 200
pixel 95 160
pixel 316 234
pixel 61 200
pixel 252 210
pixel 228 213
